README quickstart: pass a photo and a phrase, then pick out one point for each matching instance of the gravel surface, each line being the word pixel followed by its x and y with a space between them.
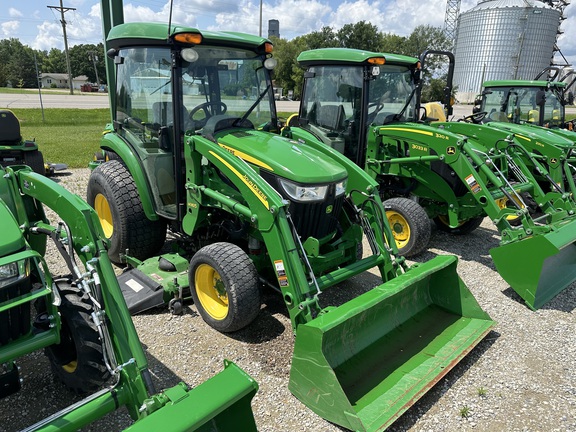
pixel 521 377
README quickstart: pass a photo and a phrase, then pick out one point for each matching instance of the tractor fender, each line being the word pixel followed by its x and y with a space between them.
pixel 112 142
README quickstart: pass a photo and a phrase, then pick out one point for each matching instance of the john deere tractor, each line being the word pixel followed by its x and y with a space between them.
pixel 80 320
pixel 366 106
pixel 14 150
pixel 201 197
pixel 535 112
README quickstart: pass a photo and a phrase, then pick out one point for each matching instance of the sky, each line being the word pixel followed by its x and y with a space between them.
pixel 39 26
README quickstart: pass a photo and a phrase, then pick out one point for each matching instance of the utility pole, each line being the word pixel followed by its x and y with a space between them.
pixel 62 10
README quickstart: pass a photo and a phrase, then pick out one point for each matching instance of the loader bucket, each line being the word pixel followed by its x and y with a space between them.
pixel 220 404
pixel 362 364
pixel 539 267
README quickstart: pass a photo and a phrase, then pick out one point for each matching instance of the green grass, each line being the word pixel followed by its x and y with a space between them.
pixel 67 135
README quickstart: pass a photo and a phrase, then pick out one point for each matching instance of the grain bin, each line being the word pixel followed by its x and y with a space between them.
pixel 503 39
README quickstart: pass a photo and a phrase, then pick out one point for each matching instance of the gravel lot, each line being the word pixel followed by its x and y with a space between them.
pixel 522 377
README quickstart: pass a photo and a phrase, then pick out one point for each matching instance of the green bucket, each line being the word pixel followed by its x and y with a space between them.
pixel 539 267
pixel 363 364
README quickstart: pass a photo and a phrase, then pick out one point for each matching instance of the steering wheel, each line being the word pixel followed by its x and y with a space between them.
pixel 475 117
pixel 209 109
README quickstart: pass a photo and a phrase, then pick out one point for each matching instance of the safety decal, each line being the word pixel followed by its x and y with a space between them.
pixel 279 266
pixel 473 184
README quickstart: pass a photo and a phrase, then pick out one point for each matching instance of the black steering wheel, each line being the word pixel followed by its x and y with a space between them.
pixel 209 109
pixel 476 117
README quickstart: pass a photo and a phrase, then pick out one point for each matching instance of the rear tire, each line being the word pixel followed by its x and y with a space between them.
pixel 410 225
pixel 77 360
pixel 465 227
pixel 113 194
pixel 225 287
pixel 35 160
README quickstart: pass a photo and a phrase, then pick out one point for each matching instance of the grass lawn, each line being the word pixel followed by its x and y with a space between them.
pixel 67 135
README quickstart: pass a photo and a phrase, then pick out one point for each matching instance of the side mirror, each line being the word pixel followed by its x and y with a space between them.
pixel 478 100
pixel 540 98
pixel 570 98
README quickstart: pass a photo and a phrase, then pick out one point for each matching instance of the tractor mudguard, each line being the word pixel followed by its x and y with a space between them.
pixel 539 267
pixel 362 364
pixel 111 141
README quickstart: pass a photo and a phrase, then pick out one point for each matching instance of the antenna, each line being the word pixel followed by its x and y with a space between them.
pixel 170 17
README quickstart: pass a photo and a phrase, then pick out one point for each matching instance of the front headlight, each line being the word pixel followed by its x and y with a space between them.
pixel 304 193
pixel 11 272
pixel 341 187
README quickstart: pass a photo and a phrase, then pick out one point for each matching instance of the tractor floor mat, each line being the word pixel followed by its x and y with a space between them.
pixel 140 291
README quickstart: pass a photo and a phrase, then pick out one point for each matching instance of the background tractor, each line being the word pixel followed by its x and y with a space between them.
pixel 81 321
pixel 14 150
pixel 200 196
pixel 367 106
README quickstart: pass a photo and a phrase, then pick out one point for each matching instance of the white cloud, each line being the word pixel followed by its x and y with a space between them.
pixel 10 28
pixel 15 13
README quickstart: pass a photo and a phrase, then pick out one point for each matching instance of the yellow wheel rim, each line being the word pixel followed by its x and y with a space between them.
pixel 70 367
pixel 445 221
pixel 104 213
pixel 211 292
pixel 400 228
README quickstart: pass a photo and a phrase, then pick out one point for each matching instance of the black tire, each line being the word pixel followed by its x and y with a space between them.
pixel 410 225
pixel 113 193
pixel 35 160
pixel 225 287
pixel 465 227
pixel 77 360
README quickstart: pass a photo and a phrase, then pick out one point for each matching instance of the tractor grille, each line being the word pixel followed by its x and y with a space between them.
pixel 314 218
pixel 15 322
pixel 11 157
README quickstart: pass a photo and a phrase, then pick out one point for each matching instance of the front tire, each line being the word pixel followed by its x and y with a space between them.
pixel 113 194
pixel 225 287
pixel 35 160
pixel 410 225
pixel 77 360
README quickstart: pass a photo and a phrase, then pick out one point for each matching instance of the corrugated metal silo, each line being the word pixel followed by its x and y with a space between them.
pixel 503 39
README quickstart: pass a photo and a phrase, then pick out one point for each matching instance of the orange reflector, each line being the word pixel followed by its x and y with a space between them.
pixel 190 38
pixel 377 60
pixel 268 47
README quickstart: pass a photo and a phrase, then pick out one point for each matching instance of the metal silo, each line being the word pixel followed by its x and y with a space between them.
pixel 503 39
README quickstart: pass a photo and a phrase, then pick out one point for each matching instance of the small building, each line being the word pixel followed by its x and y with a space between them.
pixel 60 80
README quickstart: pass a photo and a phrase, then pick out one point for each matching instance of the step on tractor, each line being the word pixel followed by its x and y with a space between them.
pixel 14 150
pixel 81 321
pixel 366 106
pixel 193 163
pixel 534 110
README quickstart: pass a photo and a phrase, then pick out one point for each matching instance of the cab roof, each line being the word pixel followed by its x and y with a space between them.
pixel 349 56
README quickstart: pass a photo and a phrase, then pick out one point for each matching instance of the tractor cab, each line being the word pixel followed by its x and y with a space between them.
pixel 356 89
pixel 534 102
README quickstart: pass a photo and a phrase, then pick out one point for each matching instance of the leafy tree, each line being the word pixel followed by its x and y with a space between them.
pixel 18 63
pixel 55 62
pixel 361 35
pixel 325 38
pixel 392 43
pixel 84 57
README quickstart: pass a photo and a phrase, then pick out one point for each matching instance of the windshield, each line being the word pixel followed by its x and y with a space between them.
pixel 220 82
pixel 519 104
pixel 390 95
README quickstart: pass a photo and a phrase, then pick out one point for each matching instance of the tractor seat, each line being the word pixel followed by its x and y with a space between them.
pixel 10 127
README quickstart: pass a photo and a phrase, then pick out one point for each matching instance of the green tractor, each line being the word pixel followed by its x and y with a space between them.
pixel 535 112
pixel 82 323
pixel 201 197
pixel 366 106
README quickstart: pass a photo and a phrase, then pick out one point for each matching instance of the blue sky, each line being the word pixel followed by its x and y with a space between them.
pixel 38 26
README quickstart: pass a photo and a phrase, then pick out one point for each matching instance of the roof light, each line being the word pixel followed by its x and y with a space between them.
pixel 190 38
pixel 377 60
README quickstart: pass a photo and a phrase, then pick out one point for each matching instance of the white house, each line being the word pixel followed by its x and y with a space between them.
pixel 60 80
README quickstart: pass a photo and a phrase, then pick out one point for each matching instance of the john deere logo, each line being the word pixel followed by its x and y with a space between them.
pixel 329 209
pixel 451 150
pixel 553 160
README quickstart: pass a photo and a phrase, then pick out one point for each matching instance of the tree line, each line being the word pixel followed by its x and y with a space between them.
pixel 17 61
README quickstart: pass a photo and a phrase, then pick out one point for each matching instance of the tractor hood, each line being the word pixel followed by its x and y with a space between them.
pixel 282 156
pixel 534 133
pixel 12 239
